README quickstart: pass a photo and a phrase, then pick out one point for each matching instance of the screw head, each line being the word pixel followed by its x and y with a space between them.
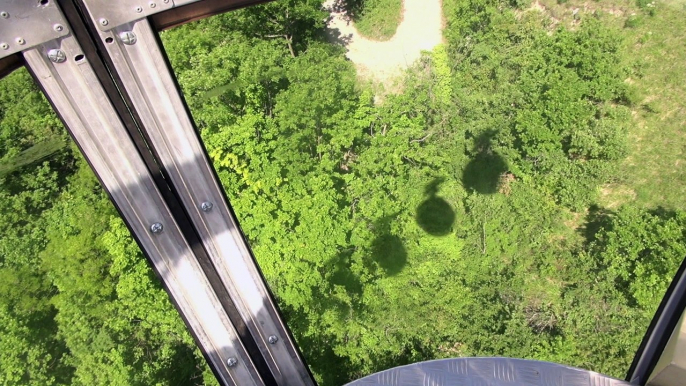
pixel 104 22
pixel 58 27
pixel 21 41
pixel 206 206
pixel 128 37
pixel 273 339
pixel 4 46
pixel 4 15
pixel 232 362
pixel 156 227
pixel 139 9
pixel 153 5
pixel 57 56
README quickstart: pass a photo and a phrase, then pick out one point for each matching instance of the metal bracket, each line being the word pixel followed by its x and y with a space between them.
pixel 109 14
pixel 27 23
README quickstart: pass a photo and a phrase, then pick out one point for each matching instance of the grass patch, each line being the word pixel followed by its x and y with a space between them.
pixel 376 19
pixel 656 166
pixel 654 172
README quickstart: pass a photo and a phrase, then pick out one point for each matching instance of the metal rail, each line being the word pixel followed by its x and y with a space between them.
pixel 77 95
pixel 101 65
pixel 137 58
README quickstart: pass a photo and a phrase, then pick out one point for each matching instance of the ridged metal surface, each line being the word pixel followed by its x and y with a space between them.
pixel 487 372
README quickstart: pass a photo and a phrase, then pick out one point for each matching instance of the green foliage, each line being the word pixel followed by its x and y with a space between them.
pixel 447 220
pixel 548 104
pixel 375 19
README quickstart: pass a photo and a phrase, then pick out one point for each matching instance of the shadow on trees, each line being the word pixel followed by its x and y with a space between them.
pixel 343 276
pixel 482 173
pixel 388 250
pixel 435 215
pixel 596 219
pixel 352 8
pixel 334 36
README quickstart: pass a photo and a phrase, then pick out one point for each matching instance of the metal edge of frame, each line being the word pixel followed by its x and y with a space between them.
pixel 93 46
pixel 660 330
pixel 10 63
pixel 72 88
pixel 170 192
pixel 152 88
pixel 271 299
pixel 185 11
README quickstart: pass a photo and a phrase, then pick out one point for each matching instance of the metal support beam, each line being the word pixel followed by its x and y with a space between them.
pixel 115 92
pixel 138 60
pixel 73 88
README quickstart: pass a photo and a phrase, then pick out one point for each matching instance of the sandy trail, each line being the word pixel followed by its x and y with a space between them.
pixel 420 29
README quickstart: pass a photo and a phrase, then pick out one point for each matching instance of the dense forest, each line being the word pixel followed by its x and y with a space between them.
pixel 520 195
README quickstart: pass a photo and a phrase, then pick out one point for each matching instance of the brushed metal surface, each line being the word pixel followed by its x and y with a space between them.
pixel 116 13
pixel 487 372
pixel 78 96
pixel 30 23
pixel 151 87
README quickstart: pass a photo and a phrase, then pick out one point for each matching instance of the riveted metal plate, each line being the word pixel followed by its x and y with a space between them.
pixel 487 371
pixel 109 14
pixel 27 23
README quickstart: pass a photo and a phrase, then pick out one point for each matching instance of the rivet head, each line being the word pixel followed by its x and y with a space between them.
pixel 21 41
pixel 165 1
pixel 156 227
pixel 4 46
pixel 139 9
pixel 104 22
pixel 232 362
pixel 128 37
pixel 57 56
pixel 273 339
pixel 58 27
pixel 4 15
pixel 206 206
pixel 153 5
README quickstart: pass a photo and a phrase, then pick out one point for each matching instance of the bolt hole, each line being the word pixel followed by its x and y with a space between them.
pixel 44 2
pixel 109 40
pixel 79 57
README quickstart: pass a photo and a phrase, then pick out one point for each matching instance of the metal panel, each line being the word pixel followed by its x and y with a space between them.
pixel 27 23
pixel 139 62
pixel 487 371
pixel 77 95
pixel 109 14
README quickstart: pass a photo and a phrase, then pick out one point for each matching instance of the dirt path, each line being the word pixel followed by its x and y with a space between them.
pixel 420 29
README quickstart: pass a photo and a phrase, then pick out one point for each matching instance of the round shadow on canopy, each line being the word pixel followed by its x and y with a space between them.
pixel 389 252
pixel 482 173
pixel 435 216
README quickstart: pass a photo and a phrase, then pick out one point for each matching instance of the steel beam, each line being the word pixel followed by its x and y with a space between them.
pixel 139 62
pixel 77 95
